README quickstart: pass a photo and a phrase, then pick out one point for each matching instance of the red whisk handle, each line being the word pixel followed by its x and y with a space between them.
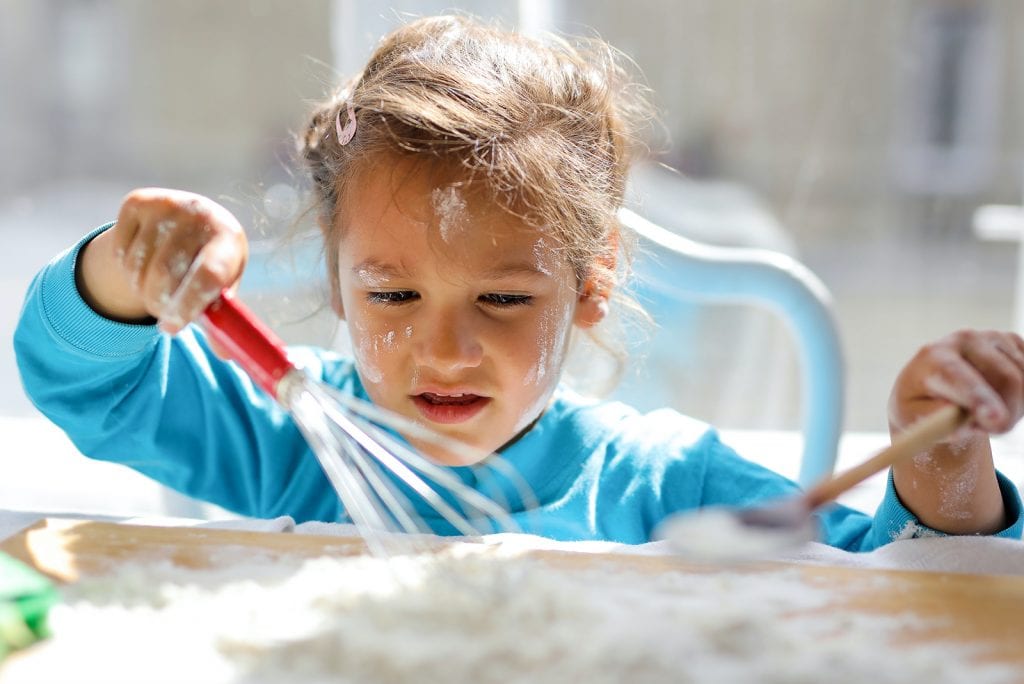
pixel 248 341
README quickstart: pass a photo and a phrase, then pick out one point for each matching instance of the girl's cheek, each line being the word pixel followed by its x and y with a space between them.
pixel 552 330
pixel 375 352
pixel 543 369
pixel 538 371
pixel 365 348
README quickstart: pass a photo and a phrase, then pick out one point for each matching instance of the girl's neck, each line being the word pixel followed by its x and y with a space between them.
pixel 519 435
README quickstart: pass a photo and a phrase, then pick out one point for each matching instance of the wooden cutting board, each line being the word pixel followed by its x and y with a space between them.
pixel 987 610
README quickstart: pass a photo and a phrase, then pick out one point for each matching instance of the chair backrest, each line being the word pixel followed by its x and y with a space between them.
pixel 695 271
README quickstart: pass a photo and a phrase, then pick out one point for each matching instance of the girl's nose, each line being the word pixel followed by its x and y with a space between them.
pixel 448 345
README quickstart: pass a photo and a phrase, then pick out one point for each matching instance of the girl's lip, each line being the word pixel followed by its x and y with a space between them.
pixel 449 408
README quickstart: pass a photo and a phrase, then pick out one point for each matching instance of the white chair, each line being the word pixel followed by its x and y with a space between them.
pixel 690 270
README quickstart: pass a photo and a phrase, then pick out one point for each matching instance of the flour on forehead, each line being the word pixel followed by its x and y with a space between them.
pixel 543 253
pixel 371 277
pixel 450 208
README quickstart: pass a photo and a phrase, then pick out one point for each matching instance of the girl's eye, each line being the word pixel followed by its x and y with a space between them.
pixel 506 300
pixel 390 297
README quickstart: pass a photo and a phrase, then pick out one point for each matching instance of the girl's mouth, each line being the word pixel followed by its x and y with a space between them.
pixel 449 408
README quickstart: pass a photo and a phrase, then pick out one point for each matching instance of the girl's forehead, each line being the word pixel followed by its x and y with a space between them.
pixel 416 206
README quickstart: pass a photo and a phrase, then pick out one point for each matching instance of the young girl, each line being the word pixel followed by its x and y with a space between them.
pixel 467 183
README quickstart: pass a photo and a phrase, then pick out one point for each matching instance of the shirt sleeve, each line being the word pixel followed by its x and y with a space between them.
pixel 894 521
pixel 165 406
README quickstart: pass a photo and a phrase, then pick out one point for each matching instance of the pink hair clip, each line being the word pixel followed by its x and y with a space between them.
pixel 348 131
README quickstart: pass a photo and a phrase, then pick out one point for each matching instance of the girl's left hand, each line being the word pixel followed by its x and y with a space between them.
pixel 982 371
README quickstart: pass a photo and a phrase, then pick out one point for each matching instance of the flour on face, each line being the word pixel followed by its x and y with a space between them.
pixel 450 208
pixel 365 351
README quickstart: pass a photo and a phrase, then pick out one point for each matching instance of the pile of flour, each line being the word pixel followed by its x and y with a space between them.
pixel 471 615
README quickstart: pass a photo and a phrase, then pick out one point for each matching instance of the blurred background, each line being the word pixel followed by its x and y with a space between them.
pixel 859 136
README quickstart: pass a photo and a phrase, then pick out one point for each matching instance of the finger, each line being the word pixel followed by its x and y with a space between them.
pixel 173 232
pixel 953 378
pixel 1012 345
pixel 172 316
pixel 1016 341
pixel 1004 377
pixel 154 223
pixel 146 245
pixel 214 268
pixel 156 214
pixel 144 215
pixel 169 266
pixel 1010 384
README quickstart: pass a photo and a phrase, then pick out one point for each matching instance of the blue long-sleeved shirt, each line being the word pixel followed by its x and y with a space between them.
pixel 169 408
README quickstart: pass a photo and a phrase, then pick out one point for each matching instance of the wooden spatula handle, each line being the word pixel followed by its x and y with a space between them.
pixel 915 439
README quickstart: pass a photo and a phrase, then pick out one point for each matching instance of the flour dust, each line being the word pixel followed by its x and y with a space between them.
pixel 450 209
pixel 472 615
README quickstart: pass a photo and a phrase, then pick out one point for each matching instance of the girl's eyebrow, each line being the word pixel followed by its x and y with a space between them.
pixel 371 269
pixel 519 268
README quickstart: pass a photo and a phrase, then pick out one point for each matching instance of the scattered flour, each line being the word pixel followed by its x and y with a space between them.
pixel 365 361
pixel 913 530
pixel 542 252
pixel 450 208
pixel 178 265
pixel 958 490
pixel 717 535
pixel 469 615
pixel 166 226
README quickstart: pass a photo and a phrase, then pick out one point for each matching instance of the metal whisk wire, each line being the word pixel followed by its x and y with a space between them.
pixel 364 461
pixel 485 465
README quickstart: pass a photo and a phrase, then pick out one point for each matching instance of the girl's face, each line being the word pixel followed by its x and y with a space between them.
pixel 459 312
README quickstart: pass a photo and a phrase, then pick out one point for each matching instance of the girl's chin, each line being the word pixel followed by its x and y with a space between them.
pixel 461 453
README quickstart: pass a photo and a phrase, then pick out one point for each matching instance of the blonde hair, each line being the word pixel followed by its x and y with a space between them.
pixel 549 127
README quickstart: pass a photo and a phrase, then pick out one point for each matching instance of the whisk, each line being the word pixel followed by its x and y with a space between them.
pixel 378 476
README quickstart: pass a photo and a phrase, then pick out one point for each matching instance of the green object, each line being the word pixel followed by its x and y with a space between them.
pixel 25 600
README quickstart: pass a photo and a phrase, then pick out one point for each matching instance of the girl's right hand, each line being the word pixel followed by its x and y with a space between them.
pixel 168 256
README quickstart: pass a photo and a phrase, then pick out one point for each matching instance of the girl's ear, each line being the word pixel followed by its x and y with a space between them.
pixel 591 306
